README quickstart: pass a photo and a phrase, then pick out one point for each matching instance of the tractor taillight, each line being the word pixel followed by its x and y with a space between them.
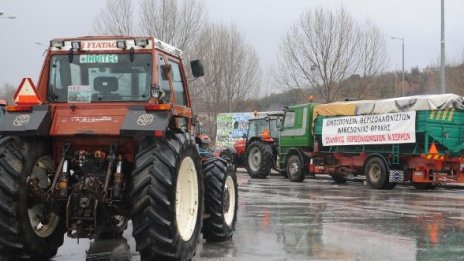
pixel 16 108
pixel 158 133
pixel 158 107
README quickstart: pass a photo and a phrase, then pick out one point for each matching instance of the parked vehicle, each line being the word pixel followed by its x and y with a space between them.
pixel 417 139
pixel 106 137
pixel 257 151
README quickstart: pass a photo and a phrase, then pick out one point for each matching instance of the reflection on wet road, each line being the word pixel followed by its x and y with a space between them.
pixel 318 220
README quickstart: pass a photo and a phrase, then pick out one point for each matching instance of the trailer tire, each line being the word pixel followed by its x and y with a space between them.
pixel 338 179
pixel 376 173
pixel 167 197
pixel 295 168
pixel 24 236
pixel 259 159
pixel 221 200
pixel 424 186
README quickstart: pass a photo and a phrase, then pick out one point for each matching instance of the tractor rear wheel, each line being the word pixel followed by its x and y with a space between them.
pixel 167 198
pixel 259 159
pixel 221 200
pixel 29 229
pixel 295 168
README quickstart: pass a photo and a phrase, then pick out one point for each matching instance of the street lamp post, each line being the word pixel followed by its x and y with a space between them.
pixel 442 60
pixel 402 52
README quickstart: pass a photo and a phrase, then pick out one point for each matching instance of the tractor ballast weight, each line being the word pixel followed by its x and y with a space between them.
pixel 105 138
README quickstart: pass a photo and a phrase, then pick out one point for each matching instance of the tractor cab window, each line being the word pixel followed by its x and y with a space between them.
pixel 163 78
pixel 178 84
pixel 256 127
pixel 100 77
pixel 274 125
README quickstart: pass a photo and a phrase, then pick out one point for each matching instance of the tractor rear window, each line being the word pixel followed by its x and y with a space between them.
pixel 100 77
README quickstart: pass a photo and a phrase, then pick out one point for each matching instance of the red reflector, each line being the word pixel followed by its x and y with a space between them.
pixel 14 108
pixel 158 133
pixel 27 93
pixel 158 107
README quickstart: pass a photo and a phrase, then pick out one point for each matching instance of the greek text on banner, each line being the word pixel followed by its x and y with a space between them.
pixel 387 128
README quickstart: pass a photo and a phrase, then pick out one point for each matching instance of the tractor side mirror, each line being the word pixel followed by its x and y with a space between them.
pixel 197 68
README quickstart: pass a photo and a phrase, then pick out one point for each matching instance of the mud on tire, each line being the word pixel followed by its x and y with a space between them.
pixel 20 158
pixel 167 198
pixel 221 200
pixel 259 159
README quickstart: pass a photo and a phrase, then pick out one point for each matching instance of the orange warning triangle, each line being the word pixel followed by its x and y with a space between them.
pixel 26 93
pixel 266 134
pixel 433 149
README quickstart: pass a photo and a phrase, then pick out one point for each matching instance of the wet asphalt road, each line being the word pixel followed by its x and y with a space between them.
pixel 318 220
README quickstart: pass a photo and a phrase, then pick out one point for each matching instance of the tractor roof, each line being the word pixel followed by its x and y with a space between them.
pixel 105 43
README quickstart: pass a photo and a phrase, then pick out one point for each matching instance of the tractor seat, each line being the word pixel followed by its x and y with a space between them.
pixel 105 86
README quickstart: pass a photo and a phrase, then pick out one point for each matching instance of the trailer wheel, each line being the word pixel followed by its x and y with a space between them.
pixel 167 198
pixel 29 230
pixel 259 159
pixel 221 200
pixel 376 173
pixel 295 168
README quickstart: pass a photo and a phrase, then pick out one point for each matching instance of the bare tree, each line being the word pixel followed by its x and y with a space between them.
pixel 7 92
pixel 115 18
pixel 176 24
pixel 232 72
pixel 324 48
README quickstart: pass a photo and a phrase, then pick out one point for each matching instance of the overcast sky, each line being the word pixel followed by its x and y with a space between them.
pixel 263 23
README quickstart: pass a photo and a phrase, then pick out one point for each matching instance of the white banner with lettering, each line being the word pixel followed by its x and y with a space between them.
pixel 387 128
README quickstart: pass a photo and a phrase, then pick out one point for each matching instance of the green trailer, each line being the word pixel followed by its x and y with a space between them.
pixel 419 139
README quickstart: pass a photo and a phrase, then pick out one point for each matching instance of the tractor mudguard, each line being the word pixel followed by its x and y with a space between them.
pixel 230 148
pixel 36 122
pixel 139 121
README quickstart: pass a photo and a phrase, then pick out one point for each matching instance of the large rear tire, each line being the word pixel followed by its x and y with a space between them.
pixel 167 198
pixel 295 168
pixel 28 228
pixel 259 159
pixel 221 200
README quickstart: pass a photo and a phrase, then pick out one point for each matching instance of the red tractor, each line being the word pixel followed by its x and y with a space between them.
pixel 257 150
pixel 107 136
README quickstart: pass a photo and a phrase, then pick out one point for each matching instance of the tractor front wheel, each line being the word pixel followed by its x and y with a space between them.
pixel 221 200
pixel 167 198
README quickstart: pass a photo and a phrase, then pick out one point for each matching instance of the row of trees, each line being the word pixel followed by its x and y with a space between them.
pixel 319 52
